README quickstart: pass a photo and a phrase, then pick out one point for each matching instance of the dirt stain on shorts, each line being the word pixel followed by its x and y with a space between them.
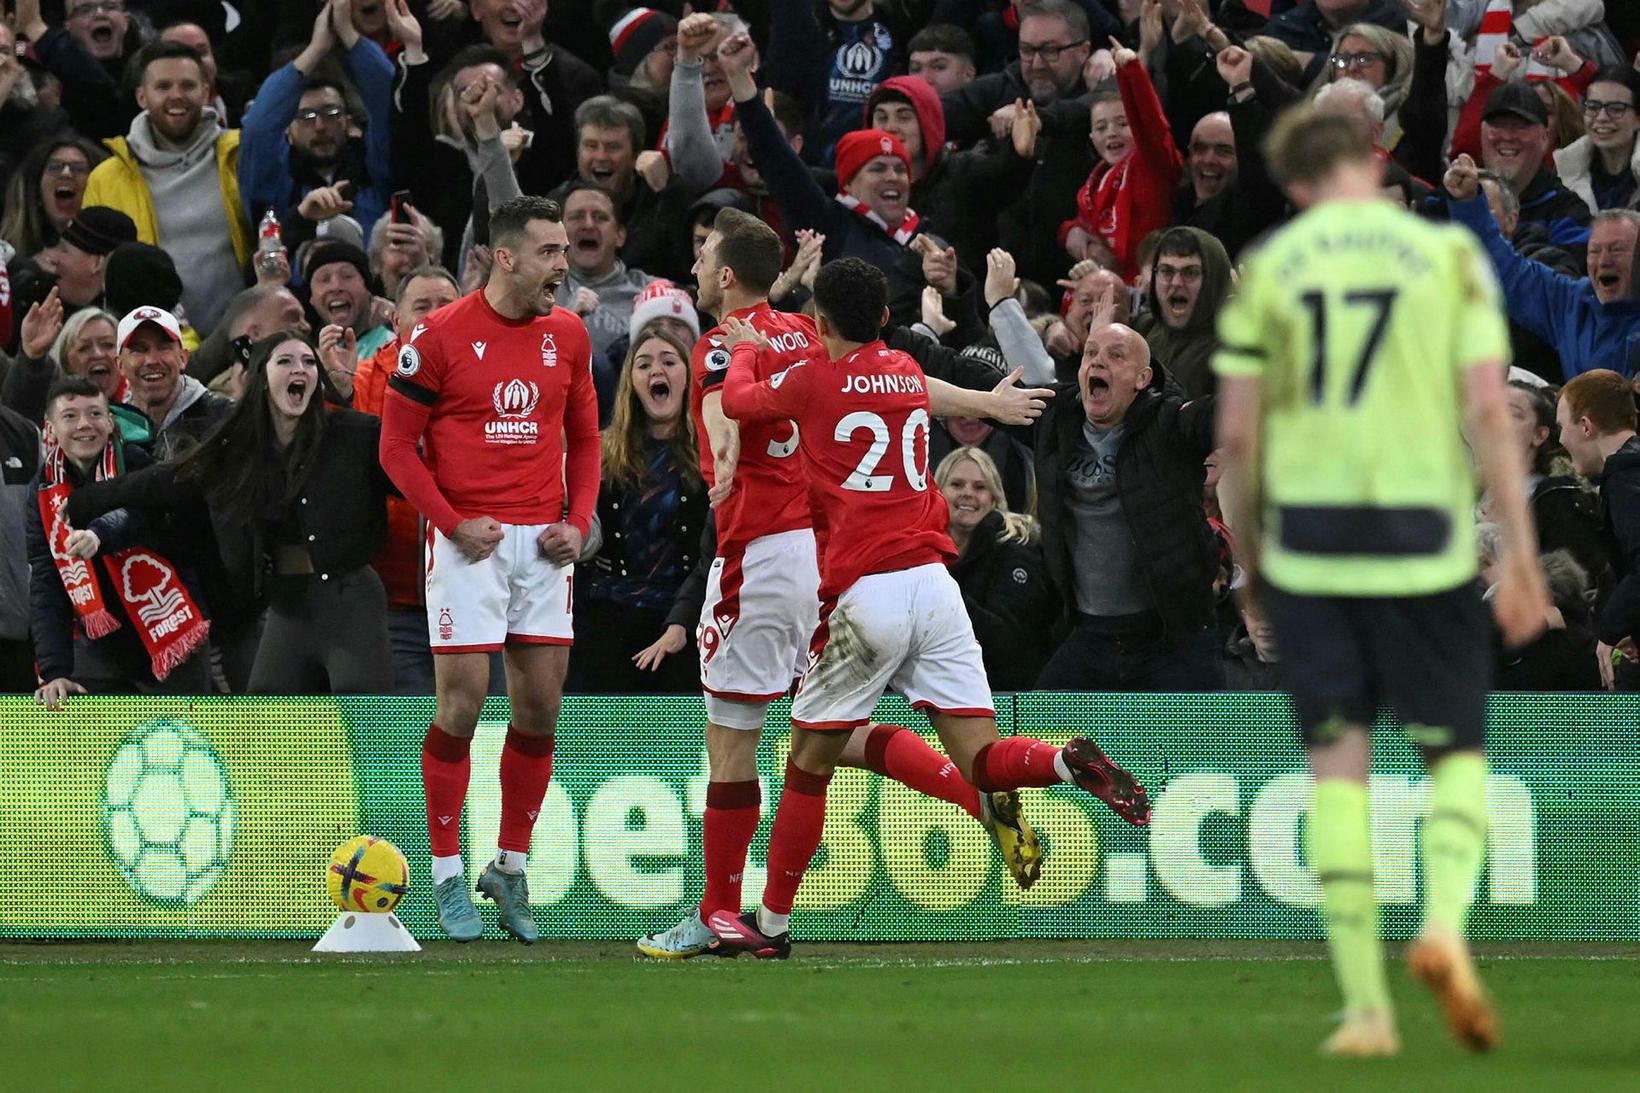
pixel 847 655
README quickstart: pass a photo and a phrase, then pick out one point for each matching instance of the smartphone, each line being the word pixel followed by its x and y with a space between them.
pixel 401 198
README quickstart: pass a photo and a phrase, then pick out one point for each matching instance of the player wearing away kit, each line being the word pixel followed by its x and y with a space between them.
pixel 487 386
pixel 762 599
pixel 891 614
pixel 1360 343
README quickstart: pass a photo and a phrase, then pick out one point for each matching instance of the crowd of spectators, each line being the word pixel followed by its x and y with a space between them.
pixel 221 218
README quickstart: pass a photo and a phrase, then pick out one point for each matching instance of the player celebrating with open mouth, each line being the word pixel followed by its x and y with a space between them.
pixel 891 614
pixel 488 385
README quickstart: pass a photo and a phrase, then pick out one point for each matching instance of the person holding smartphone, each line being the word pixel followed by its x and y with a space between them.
pixel 402 240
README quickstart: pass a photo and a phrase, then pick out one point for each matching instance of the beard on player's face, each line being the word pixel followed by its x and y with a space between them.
pixel 533 283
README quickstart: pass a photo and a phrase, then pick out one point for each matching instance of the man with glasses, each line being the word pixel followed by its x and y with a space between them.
pixel 99 26
pixel 1189 282
pixel 1593 322
pixel 87 54
pixel 1312 27
pixel 1603 167
pixel 1054 44
pixel 299 157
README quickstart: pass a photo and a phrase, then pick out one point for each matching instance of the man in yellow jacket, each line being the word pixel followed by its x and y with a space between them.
pixel 176 176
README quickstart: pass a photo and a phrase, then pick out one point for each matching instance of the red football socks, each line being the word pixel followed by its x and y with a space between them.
pixel 798 824
pixel 1015 762
pixel 526 768
pixel 445 767
pixel 732 812
pixel 896 752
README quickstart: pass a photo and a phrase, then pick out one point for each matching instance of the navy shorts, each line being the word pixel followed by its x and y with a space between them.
pixel 1426 657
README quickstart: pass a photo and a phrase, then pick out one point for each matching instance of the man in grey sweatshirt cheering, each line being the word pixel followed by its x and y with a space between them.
pixel 175 176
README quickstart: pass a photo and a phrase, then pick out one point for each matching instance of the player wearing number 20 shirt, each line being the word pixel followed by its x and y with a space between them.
pixel 863 424
pixel 892 616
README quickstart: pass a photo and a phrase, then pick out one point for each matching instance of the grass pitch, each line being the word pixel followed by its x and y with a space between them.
pixel 1003 1016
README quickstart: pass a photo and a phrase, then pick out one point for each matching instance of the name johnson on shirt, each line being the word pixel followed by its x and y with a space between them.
pixel 882 385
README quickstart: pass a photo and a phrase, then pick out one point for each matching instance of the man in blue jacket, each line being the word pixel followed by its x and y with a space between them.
pixel 295 154
pixel 1593 322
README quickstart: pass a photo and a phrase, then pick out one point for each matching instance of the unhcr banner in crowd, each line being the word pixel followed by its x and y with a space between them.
pixel 217 818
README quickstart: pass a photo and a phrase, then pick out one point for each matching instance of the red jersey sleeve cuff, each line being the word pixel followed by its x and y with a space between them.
pixel 445 521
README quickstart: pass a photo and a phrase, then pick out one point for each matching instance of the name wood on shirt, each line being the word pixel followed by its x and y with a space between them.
pixel 789 341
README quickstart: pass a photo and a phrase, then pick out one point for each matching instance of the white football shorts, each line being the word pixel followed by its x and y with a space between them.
pixel 905 631
pixel 514 595
pixel 760 612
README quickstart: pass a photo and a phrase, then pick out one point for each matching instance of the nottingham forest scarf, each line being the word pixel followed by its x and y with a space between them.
pixel 901 235
pixel 168 621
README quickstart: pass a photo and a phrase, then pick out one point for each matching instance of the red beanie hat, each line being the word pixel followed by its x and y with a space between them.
pixel 860 147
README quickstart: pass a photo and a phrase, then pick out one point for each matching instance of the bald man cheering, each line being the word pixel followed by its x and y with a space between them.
pixel 1120 465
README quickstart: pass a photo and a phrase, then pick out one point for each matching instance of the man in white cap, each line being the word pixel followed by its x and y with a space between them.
pixel 152 358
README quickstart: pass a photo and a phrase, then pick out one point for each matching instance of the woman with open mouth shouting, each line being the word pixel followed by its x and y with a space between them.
pixel 44 193
pixel 651 506
pixel 83 345
pixel 295 503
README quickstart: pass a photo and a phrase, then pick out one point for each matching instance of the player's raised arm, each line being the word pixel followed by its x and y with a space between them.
pixel 1007 403
pixel 746 398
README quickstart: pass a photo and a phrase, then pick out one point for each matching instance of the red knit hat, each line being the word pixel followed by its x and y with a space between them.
pixel 860 147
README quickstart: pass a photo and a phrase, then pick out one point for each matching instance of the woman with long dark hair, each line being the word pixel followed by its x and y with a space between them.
pixel 651 506
pixel 44 193
pixel 295 501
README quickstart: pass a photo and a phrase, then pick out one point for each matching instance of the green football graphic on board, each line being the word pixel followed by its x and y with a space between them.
pixel 168 812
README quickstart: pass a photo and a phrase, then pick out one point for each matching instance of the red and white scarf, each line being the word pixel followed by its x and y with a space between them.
pixel 1496 24
pixel 901 235
pixel 168 621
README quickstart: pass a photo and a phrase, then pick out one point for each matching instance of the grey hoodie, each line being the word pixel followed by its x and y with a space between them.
pixel 192 221
pixel 617 290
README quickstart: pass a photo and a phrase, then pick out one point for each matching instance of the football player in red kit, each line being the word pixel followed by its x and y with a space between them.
pixel 891 614
pixel 496 389
pixel 762 601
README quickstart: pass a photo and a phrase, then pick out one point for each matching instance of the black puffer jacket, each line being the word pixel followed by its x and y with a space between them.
pixel 1619 616
pixel 341 510
pixel 1007 595
pixel 1159 477
pixel 1568 518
